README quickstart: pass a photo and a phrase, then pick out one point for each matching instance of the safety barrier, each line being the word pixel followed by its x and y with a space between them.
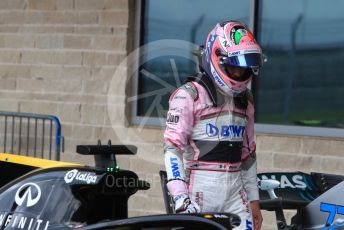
pixel 31 134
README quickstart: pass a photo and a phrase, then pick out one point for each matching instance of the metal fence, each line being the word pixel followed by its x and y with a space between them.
pixel 31 134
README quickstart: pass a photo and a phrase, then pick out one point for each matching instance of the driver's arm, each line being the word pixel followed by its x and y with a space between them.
pixel 249 169
pixel 176 137
pixel 249 163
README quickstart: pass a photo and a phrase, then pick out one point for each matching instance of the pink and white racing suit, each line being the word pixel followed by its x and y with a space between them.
pixel 209 149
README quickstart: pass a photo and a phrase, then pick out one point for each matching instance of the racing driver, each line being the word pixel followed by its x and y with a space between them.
pixel 209 148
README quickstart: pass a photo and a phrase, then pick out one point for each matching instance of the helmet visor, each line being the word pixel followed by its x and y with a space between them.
pixel 244 60
pixel 237 73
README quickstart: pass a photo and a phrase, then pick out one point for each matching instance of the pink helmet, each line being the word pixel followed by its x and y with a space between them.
pixel 231 43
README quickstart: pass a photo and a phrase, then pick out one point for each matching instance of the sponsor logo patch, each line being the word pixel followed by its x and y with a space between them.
pixel 171 118
pixel 174 167
pixel 295 181
pixel 234 53
pixel 217 78
pixel 225 130
pixel 20 221
pixel 249 225
pixel 28 195
pixel 75 175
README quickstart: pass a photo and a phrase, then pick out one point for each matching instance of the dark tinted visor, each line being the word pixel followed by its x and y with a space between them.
pixel 244 60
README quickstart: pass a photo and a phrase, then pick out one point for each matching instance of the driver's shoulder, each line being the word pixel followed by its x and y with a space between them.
pixel 190 88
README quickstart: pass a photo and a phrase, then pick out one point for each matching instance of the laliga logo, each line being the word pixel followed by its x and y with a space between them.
pixel 29 192
pixel 80 176
pixel 69 177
